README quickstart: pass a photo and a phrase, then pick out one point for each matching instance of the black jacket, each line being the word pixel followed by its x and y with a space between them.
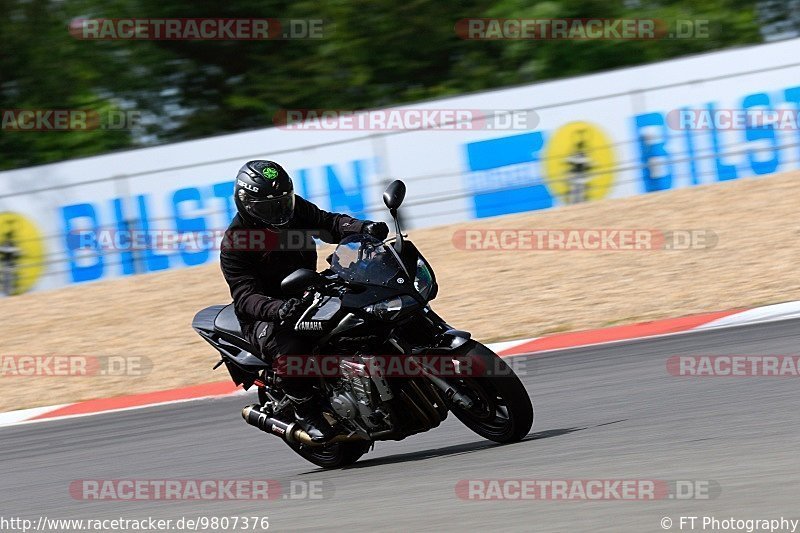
pixel 254 275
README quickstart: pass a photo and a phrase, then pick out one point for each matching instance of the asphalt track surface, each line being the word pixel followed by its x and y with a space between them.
pixel 607 412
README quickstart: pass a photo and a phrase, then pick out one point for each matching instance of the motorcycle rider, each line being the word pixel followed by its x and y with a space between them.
pixel 266 202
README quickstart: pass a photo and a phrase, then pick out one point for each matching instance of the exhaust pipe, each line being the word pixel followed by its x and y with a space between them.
pixel 291 433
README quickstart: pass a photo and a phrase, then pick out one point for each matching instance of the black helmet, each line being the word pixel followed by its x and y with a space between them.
pixel 264 193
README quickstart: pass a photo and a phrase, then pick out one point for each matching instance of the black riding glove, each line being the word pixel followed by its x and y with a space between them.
pixel 379 230
pixel 291 309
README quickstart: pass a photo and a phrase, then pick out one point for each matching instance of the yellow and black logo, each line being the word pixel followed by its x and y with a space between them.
pixel 21 254
pixel 579 163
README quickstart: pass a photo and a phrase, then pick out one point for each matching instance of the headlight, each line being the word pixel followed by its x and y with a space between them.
pixel 423 280
pixel 390 309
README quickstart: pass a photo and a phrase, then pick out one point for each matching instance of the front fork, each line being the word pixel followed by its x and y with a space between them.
pixel 450 340
pixel 450 392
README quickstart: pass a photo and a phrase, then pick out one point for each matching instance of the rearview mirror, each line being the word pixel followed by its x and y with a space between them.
pixel 300 280
pixel 394 195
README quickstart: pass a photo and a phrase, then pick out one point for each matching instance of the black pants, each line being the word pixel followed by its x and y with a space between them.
pixel 275 342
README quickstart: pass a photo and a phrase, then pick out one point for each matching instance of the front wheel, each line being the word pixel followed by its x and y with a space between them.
pixel 501 410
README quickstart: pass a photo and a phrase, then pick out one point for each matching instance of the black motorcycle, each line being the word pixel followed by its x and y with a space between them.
pixel 388 366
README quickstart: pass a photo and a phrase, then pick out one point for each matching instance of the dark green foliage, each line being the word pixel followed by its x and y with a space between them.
pixel 374 53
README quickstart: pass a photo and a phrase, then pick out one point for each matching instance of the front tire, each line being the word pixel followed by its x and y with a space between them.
pixel 502 410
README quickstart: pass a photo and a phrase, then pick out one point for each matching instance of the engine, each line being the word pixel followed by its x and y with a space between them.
pixel 360 395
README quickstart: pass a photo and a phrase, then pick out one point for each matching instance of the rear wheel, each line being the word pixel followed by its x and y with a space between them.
pixel 501 410
pixel 334 455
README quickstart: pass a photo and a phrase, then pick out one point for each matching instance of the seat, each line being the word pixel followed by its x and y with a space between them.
pixel 227 324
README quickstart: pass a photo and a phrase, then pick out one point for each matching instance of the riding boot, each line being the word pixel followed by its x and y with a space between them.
pixel 309 417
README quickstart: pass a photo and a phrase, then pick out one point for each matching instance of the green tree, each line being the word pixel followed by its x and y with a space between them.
pixel 374 53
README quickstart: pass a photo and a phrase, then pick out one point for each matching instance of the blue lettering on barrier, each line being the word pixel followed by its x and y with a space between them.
pixel 347 199
pixel 153 261
pixel 224 190
pixel 301 182
pixel 792 95
pixel 128 261
pixel 650 149
pixel 759 132
pixel 344 195
pixel 688 136
pixel 189 225
pixel 724 171
pixel 503 179
pixel 81 272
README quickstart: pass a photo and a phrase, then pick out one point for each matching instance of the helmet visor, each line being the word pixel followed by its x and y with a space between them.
pixel 273 211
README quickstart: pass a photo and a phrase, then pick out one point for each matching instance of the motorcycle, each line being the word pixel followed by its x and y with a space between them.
pixel 374 299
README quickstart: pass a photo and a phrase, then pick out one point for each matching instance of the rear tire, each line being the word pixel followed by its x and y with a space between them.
pixel 503 411
pixel 335 455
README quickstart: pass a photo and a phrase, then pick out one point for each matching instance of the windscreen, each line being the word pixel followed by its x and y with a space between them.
pixel 365 259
